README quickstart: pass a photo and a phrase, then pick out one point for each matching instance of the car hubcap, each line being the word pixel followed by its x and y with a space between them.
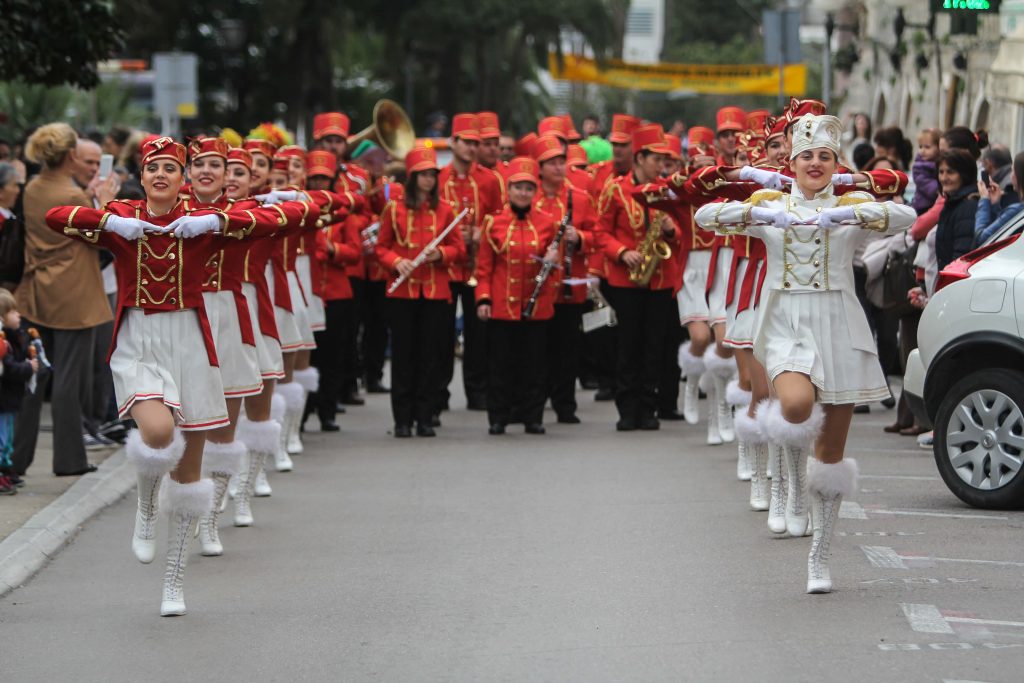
pixel 985 439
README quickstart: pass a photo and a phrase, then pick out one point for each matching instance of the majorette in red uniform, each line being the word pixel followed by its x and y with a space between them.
pixel 556 197
pixel 511 245
pixel 465 185
pixel 419 308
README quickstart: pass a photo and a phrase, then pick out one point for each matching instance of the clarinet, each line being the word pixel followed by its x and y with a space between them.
pixel 545 271
pixel 570 250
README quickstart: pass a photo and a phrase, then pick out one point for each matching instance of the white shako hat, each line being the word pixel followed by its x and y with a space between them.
pixel 814 132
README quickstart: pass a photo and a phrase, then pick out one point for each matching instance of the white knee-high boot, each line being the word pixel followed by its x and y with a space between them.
pixel 151 464
pixel 221 461
pixel 828 484
pixel 294 401
pixel 261 439
pixel 186 503
pixel 692 367
pixel 721 370
pixel 309 380
pixel 748 432
pixel 278 409
pixel 777 502
pixel 797 440
pixel 739 399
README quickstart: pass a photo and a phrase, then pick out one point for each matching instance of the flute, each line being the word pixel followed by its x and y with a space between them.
pixel 422 256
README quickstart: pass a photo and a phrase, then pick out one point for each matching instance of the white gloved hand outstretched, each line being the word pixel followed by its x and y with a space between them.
pixel 834 217
pixel 842 179
pixel 780 218
pixel 193 226
pixel 129 228
pixel 278 196
pixel 768 179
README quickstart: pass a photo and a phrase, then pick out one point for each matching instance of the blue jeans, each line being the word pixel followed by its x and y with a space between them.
pixel 6 439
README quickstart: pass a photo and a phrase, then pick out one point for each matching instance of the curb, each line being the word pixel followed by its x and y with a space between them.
pixel 28 549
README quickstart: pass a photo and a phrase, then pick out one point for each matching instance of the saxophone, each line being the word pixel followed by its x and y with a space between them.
pixel 652 249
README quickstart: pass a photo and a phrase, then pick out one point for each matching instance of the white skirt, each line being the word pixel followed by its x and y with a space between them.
pixel 268 349
pixel 301 312
pixel 287 329
pixel 693 304
pixel 162 356
pixel 317 313
pixel 809 333
pixel 719 288
pixel 739 326
pixel 239 369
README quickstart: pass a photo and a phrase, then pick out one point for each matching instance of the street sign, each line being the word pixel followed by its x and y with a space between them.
pixel 175 91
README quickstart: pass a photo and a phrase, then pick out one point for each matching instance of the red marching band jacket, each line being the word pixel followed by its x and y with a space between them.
pixel 160 272
pixel 477 191
pixel 621 226
pixel 583 219
pixel 508 262
pixel 404 233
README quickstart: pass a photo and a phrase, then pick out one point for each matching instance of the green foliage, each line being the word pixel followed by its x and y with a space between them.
pixel 57 41
pixel 27 106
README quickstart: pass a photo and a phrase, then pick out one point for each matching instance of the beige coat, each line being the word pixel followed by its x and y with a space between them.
pixel 62 287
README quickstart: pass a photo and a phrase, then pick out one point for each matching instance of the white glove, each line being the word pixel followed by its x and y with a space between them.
pixel 278 196
pixel 842 179
pixel 767 179
pixel 193 226
pixel 833 218
pixel 129 228
pixel 777 217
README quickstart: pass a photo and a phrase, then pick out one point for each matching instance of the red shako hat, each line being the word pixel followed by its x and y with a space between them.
pixel 330 123
pixel 623 126
pixel 466 126
pixel 650 138
pixel 321 162
pixel 488 122
pixel 548 146
pixel 163 148
pixel 420 159
pixel 730 118
pixel 523 169
pixel 207 147
pixel 237 155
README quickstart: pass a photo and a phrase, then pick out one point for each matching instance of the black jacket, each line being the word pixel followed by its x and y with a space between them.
pixel 17 371
pixel 954 235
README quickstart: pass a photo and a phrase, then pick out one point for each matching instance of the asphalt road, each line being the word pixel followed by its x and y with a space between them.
pixel 582 555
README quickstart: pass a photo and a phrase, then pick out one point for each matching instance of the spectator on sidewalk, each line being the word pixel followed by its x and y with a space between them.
pixel 61 294
pixel 18 370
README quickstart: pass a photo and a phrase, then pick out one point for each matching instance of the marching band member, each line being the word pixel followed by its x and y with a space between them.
pixel 730 123
pixel 490 133
pixel 465 185
pixel 163 359
pixel 557 198
pixel 576 167
pixel 812 336
pixel 418 308
pixel 668 386
pixel 633 239
pixel 621 163
pixel 506 272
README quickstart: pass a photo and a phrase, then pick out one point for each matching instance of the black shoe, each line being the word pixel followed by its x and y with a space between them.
pixel 476 403
pixel 589 384
pixel 701 395
pixel 329 426
pixel 353 399
pixel 861 409
pixel 87 470
pixel 435 420
pixel 339 408
pixel 605 394
pixel 650 424
pixel 14 479
pixel 496 428
pixel 671 415
pixel 375 387
pixel 403 431
pixel 889 402
pixel 625 425
pixel 568 419
pixel 535 428
pixel 424 430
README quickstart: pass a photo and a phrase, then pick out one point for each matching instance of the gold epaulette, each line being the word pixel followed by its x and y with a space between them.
pixel 764 196
pixel 852 198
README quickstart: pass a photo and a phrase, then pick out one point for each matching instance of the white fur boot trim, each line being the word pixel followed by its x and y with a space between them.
pixel 787 433
pixel 192 499
pixel 262 437
pixel 737 396
pixel 294 396
pixel 154 462
pixel 839 479
pixel 278 406
pixel 718 366
pixel 308 379
pixel 690 364
pixel 748 428
pixel 223 457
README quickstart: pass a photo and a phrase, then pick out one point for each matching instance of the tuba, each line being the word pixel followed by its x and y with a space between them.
pixel 391 129
pixel 652 249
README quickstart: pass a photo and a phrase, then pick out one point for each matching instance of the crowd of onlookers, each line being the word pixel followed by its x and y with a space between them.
pixel 964 190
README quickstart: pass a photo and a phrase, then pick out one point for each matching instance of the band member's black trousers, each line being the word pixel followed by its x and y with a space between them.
pixel 516 370
pixel 350 342
pixel 601 354
pixel 420 349
pixel 330 356
pixel 671 374
pixel 373 341
pixel 474 347
pixel 565 346
pixel 640 340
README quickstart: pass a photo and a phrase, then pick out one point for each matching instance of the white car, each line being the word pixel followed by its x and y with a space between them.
pixel 967 374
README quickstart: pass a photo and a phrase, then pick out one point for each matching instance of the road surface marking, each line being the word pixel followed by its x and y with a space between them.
pixel 904 477
pixel 885 558
pixel 926 618
pixel 923 513
pixel 850 510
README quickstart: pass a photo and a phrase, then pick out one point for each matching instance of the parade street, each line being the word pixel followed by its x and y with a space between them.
pixel 584 555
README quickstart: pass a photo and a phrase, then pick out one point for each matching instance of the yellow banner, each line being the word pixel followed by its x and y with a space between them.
pixel 716 79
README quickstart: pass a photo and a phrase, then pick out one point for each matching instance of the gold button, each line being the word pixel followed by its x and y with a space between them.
pixel 818 209
pixel 173 300
pixel 786 284
pixel 145 257
pixel 214 283
pixel 789 240
pixel 213 264
pixel 817 285
pixel 143 301
pixel 172 256
pixel 789 266
pixel 171 279
pixel 145 282
pixel 817 263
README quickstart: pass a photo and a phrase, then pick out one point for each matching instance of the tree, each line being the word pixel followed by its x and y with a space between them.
pixel 57 42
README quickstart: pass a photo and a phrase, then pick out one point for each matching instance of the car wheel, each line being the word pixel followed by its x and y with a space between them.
pixel 979 439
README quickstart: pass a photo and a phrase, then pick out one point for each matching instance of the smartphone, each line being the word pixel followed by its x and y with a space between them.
pixel 106 165
pixel 984 178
